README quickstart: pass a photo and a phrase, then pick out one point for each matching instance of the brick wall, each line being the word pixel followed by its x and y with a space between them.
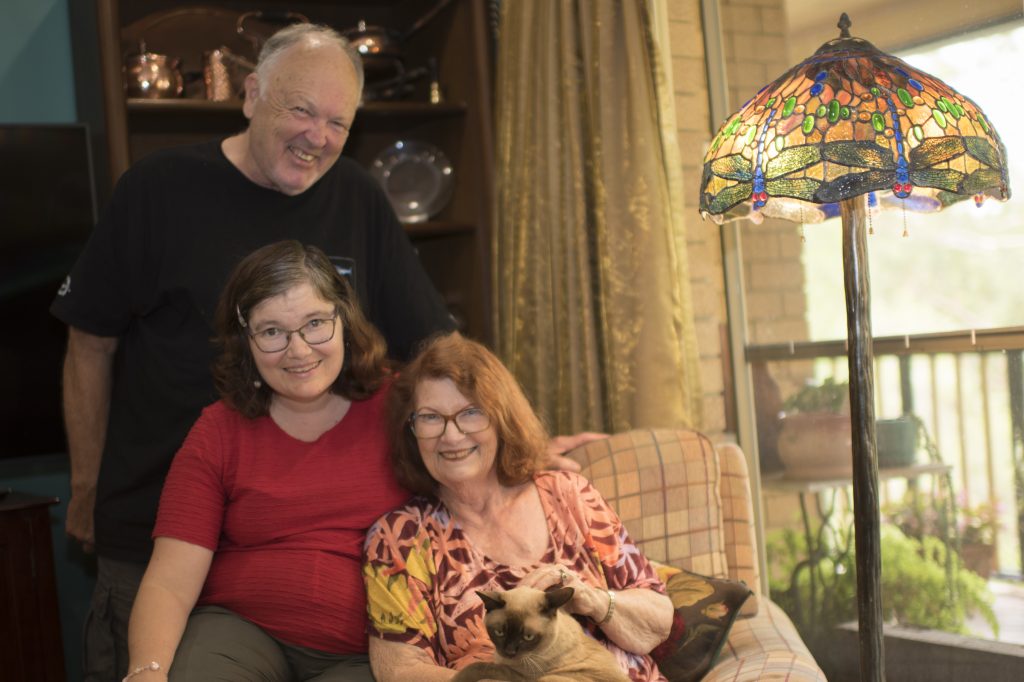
pixel 754 45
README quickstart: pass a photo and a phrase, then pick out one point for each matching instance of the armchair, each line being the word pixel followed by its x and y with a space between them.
pixel 687 504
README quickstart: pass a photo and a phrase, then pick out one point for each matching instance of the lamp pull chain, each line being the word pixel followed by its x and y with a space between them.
pixel 905 232
pixel 871 208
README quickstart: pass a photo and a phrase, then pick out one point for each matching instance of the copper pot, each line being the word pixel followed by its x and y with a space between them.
pixel 152 76
pixel 380 47
pixel 224 74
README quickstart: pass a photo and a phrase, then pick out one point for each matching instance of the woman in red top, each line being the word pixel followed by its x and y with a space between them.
pixel 264 512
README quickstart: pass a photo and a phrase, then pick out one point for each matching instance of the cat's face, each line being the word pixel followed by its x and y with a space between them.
pixel 521 620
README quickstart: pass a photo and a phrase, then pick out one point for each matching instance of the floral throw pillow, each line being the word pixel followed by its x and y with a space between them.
pixel 705 609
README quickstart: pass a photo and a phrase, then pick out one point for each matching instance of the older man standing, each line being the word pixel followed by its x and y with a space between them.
pixel 139 301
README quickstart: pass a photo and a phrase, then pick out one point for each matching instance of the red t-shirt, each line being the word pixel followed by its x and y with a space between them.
pixel 285 518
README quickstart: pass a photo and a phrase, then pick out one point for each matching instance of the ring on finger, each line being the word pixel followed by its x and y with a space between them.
pixel 563 577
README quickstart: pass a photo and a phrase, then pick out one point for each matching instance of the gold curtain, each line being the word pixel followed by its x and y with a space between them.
pixel 591 280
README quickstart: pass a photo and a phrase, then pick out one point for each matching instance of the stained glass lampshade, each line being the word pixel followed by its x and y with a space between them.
pixel 848 128
pixel 847 121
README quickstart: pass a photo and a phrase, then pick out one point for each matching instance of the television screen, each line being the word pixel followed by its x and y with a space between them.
pixel 47 210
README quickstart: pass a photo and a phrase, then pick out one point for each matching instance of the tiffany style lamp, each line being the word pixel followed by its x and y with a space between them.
pixel 846 127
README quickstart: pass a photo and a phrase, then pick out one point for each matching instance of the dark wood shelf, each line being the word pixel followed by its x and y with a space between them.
pixel 140 105
pixel 438 228
pixel 234 107
pixel 443 110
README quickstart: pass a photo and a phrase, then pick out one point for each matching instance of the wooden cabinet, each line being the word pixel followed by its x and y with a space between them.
pixel 30 646
pixel 454 245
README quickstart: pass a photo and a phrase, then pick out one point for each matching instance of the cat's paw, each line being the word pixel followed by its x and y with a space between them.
pixel 474 672
pixel 486 672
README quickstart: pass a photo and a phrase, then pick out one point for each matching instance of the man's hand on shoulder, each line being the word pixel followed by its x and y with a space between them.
pixel 559 445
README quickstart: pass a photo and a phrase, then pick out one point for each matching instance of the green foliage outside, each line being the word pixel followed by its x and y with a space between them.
pixel 829 396
pixel 915 588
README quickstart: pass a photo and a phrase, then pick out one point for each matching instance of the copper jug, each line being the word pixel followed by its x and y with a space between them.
pixel 152 76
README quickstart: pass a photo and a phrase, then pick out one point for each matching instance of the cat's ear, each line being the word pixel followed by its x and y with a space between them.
pixel 492 600
pixel 558 596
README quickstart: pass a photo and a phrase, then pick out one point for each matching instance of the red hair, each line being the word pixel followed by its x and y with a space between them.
pixel 482 378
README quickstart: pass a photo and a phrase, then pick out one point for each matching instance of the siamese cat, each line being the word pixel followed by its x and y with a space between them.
pixel 536 641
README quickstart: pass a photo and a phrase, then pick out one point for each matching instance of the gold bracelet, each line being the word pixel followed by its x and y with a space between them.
pixel 611 608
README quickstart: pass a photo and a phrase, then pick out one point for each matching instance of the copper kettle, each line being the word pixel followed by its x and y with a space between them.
pixel 152 76
pixel 381 48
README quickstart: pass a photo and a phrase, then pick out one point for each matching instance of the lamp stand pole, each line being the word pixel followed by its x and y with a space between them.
pixel 865 462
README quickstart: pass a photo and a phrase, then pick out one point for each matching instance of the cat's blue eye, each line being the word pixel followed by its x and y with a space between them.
pixel 499 632
pixel 528 636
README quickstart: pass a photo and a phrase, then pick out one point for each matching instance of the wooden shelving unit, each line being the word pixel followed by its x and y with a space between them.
pixel 454 245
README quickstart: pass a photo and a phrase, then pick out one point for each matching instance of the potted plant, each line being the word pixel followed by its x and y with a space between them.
pixel 897 440
pixel 923 585
pixel 815 440
pixel 978 526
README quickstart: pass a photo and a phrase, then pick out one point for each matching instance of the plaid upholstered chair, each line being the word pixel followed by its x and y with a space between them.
pixel 687 504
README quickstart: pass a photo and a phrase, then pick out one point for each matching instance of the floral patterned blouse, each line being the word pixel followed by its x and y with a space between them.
pixel 422 572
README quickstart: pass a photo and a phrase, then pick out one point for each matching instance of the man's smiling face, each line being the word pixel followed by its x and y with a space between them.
pixel 299 114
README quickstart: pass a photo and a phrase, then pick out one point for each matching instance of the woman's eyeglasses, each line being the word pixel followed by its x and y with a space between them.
pixel 314 332
pixel 432 425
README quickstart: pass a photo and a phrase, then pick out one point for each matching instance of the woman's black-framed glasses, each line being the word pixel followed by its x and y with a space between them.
pixel 314 332
pixel 432 425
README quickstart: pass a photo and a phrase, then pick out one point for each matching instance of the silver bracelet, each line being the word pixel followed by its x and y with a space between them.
pixel 151 666
pixel 611 608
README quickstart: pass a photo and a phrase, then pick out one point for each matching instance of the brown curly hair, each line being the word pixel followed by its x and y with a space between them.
pixel 271 271
pixel 482 378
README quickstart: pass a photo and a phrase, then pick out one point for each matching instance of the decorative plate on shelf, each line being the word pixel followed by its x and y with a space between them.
pixel 417 178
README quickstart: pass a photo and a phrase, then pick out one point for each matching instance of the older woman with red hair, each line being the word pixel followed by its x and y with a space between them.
pixel 488 517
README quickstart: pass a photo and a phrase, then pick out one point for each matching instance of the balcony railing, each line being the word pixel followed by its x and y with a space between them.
pixel 967 387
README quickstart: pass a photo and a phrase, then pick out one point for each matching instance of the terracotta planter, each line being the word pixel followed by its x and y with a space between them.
pixel 816 445
pixel 979 558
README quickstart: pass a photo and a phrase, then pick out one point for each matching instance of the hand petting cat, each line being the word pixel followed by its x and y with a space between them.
pixel 635 619
pixel 586 600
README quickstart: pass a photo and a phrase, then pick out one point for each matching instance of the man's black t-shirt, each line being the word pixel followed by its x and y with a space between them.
pixel 178 222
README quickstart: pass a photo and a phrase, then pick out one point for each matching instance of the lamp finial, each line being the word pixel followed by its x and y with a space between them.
pixel 844 26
